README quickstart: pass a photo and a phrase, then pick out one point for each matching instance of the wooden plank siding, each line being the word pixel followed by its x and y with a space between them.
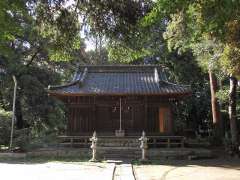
pixel 87 114
pixel 165 120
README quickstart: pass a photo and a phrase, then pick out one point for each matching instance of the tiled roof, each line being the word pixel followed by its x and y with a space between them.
pixel 120 80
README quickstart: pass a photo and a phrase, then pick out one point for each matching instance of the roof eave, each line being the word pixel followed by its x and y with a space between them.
pixel 169 95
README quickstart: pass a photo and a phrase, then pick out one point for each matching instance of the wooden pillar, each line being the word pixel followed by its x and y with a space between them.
pixel 94 123
pixel 161 119
pixel 170 120
pixel 165 120
pixel 145 114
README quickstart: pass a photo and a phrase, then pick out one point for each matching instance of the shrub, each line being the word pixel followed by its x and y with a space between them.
pixel 20 137
pixel 5 127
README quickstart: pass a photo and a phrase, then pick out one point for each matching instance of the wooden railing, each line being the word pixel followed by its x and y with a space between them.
pixel 80 141
pixel 166 141
pixel 112 141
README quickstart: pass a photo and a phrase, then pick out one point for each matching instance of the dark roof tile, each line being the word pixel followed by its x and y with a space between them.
pixel 120 80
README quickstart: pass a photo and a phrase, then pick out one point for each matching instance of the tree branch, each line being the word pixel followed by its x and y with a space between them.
pixel 33 57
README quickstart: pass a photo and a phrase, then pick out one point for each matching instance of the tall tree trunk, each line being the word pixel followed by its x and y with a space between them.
pixel 232 109
pixel 13 109
pixel 19 117
pixel 217 124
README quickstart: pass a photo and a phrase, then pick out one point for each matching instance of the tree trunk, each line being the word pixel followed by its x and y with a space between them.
pixel 13 109
pixel 19 117
pixel 232 109
pixel 216 115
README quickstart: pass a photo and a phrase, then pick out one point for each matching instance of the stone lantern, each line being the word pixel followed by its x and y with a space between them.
pixel 94 140
pixel 143 146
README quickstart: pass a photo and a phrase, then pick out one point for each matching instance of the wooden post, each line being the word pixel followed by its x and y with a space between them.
pixel 182 142
pixel 145 114
pixel 120 115
pixel 154 142
pixel 13 116
pixel 71 142
pixel 168 142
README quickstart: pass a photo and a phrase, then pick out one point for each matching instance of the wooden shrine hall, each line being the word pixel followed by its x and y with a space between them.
pixel 119 99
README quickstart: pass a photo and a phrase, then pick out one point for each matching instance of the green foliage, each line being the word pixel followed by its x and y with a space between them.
pixel 5 126
pixel 176 34
pixel 42 141
pixel 9 24
pixel 206 27
pixel 119 53
pixel 230 60
pixel 193 111
pixel 27 54
pixel 20 137
pixel 115 19
pixel 60 26
pixel 222 95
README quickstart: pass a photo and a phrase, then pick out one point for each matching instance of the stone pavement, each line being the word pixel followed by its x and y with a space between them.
pixel 212 169
pixel 57 170
pixel 123 172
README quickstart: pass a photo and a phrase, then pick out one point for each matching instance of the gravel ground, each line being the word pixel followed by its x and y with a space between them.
pixel 214 169
pixel 56 170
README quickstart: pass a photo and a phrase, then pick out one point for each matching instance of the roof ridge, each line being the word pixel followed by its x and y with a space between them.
pixel 123 65
pixel 83 77
pixel 120 68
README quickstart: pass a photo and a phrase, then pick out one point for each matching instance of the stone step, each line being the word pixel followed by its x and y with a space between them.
pixel 118 152
pixel 116 145
pixel 118 142
pixel 119 156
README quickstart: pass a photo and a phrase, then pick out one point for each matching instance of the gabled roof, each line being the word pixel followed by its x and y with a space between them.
pixel 120 80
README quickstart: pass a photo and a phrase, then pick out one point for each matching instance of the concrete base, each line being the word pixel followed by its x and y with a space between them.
pixel 144 161
pixel 93 160
pixel 124 153
pixel 13 155
pixel 61 152
pixel 179 153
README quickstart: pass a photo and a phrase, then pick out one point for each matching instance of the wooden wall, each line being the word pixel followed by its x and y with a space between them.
pixel 86 114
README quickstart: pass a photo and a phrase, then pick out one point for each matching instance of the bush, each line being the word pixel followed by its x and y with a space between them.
pixel 20 137
pixel 5 127
pixel 44 141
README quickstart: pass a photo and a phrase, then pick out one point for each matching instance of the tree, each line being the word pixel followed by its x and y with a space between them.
pixel 27 53
pixel 194 24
